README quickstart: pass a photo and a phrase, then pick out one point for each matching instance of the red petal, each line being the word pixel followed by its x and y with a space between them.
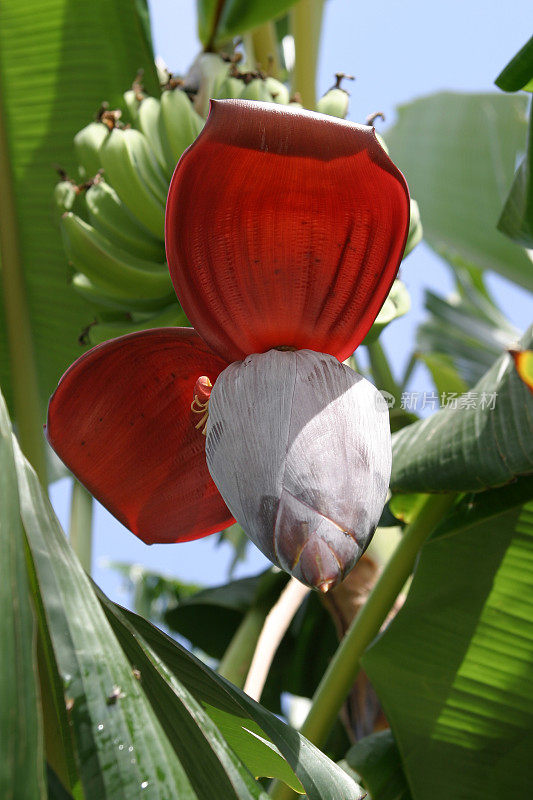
pixel 121 420
pixel 284 227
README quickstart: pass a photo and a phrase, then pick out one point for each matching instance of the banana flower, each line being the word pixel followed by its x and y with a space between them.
pixel 284 232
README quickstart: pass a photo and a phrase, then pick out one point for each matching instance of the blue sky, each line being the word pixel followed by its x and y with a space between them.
pixel 398 51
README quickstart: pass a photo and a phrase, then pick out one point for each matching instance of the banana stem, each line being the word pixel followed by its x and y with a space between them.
pixel 22 361
pixel 250 62
pixel 81 521
pixel 381 369
pixel 236 660
pixel 278 620
pixel 306 22
pixel 265 44
pixel 343 668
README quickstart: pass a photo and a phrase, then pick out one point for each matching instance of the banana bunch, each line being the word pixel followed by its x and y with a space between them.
pixel 254 85
pixel 112 216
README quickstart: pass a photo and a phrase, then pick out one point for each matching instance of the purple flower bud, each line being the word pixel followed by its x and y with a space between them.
pixel 298 445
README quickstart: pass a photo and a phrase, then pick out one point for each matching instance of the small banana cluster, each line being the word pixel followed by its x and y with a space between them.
pixel 112 217
pixel 112 222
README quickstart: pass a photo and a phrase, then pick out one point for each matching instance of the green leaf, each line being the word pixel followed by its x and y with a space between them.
pixel 516 220
pixel 219 20
pixel 21 731
pixel 445 376
pixel 138 727
pixel 58 61
pixel 454 668
pixel 319 776
pixel 259 754
pixel 108 710
pixel 207 757
pixel 458 152
pixel 468 329
pixel 210 619
pixel 485 441
pixel 405 507
pixel 377 760
pixel 56 790
pixel 518 73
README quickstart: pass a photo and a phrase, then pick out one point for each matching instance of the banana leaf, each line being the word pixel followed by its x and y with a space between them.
pixel 516 220
pixel 58 61
pixel 481 439
pixel 454 668
pixel 518 73
pixel 220 20
pixel 137 725
pixel 459 153
pixel 21 727
pixel 377 761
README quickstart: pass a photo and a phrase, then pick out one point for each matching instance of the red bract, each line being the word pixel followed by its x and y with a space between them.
pixel 284 229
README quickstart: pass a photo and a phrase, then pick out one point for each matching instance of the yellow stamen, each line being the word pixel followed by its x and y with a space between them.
pixel 197 407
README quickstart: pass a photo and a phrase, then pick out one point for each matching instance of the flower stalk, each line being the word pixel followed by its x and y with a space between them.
pixel 381 370
pixel 306 22
pixel 81 520
pixel 345 664
pixel 236 660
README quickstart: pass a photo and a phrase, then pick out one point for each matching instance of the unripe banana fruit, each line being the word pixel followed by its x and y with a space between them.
pixel 87 143
pixel 132 170
pixel 278 91
pixel 149 122
pixel 335 102
pixel 230 88
pixel 112 219
pixel 171 316
pixel 180 123
pixel 65 195
pixel 108 266
pixel 256 89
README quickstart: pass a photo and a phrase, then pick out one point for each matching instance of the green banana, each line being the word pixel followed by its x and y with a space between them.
pixel 180 123
pixel 87 143
pixel 65 195
pixel 169 317
pixel 111 218
pixel 278 90
pixel 102 296
pixel 230 88
pixel 209 71
pixel 131 169
pixel 110 267
pixel 149 122
pixel 257 89
pixel 334 103
pixel 132 101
